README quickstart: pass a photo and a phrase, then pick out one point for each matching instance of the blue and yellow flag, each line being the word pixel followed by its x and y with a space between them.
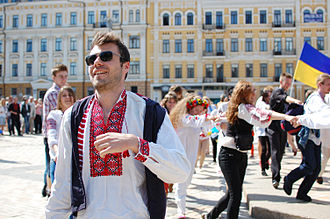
pixel 311 64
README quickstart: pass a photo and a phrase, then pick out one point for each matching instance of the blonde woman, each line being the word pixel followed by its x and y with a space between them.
pixel 187 118
pixel 3 113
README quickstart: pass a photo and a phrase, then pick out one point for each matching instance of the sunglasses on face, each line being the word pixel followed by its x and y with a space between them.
pixel 104 56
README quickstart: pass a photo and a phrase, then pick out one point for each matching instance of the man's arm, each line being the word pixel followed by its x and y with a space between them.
pixel 289 99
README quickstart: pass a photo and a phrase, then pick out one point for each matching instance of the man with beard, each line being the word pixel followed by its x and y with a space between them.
pixel 115 147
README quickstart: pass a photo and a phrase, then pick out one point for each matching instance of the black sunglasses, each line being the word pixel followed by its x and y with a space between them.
pixel 104 56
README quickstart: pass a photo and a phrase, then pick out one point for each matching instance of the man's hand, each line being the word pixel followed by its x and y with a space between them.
pixel 295 122
pixel 113 142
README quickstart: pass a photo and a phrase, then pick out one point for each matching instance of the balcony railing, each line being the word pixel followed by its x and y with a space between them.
pixel 213 26
pixel 284 52
pixel 292 24
pixel 208 80
pixel 214 53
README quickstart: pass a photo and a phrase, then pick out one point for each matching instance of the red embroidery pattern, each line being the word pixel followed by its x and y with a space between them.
pixel 51 124
pixel 111 164
pixel 144 149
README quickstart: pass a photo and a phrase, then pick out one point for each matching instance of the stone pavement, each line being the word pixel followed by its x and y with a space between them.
pixel 21 181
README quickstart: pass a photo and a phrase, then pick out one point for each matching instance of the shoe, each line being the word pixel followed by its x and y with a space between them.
pixel 287 187
pixel 264 173
pixel 275 184
pixel 319 180
pixel 182 216
pixel 204 216
pixel 304 198
pixel 44 191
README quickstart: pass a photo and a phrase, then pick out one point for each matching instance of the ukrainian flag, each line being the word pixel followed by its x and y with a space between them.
pixel 311 64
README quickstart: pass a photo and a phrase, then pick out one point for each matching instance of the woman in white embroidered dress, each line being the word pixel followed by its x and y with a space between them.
pixel 65 99
pixel 241 115
pixel 187 120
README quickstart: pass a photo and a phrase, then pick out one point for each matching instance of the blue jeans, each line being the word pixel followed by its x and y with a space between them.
pixel 52 166
pixel 27 124
pixel 47 158
pixel 309 168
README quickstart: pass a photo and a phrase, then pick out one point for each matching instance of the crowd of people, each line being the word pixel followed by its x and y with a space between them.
pixel 116 154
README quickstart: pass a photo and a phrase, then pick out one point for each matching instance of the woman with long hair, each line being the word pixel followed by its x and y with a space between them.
pixel 241 116
pixel 187 118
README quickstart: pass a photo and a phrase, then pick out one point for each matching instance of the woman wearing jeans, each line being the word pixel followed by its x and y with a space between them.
pixel 241 116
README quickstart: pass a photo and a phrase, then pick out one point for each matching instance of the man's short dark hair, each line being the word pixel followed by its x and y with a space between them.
pixel 102 38
pixel 285 75
pixel 59 68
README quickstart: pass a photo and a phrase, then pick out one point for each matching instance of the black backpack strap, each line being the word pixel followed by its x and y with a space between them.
pixel 153 120
pixel 78 194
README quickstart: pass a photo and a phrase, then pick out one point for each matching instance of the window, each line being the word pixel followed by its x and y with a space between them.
pixel 320 13
pixel 29 21
pixel 103 18
pixel 15 21
pixel 28 91
pixel 248 45
pixel 178 46
pixel 307 40
pixel 220 77
pixel 115 16
pixel 289 68
pixel 0 73
pixel 233 16
pixel 289 44
pixel 190 18
pixel 43 20
pixel 209 71
pixel 43 45
pixel 43 71
pixel 277 45
pixel 134 89
pixel 249 70
pixel 13 91
pixel 58 44
pixel 219 46
pixel 58 19
pixel 190 45
pixel 306 12
pixel 28 69
pixel 208 18
pixel 73 68
pixel 89 43
pixel 29 45
pixel 166 19
pixel 263 16
pixel 166 46
pixel 218 19
pixel 263 45
pixel 234 45
pixel 130 16
pixel 263 70
pixel 178 71
pixel 320 43
pixel 208 45
pixel 14 72
pixel 91 17
pixel 278 71
pixel 1 46
pixel 234 70
pixel 90 91
pixel 190 71
pixel 15 46
pixel 166 71
pixel 134 42
pixel 277 18
pixel 1 21
pixel 177 19
pixel 248 17
pixel 288 16
pixel 73 18
pixel 137 15
pixel 73 44
pixel 134 68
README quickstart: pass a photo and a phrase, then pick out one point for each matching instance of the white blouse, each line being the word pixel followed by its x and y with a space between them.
pixel 54 119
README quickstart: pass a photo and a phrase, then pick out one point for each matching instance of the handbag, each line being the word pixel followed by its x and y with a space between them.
pixel 243 141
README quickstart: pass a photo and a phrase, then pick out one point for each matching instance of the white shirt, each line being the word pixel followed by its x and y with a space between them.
pixel 259 131
pixel 117 196
pixel 52 133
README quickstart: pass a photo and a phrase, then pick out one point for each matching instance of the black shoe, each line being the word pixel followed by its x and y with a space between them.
pixel 264 173
pixel 287 187
pixel 275 184
pixel 304 198
pixel 44 191
pixel 319 180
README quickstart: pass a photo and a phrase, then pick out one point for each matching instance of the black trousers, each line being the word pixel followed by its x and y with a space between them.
pixel 277 139
pixel 233 166
pixel 15 123
pixel 265 151
pixel 214 145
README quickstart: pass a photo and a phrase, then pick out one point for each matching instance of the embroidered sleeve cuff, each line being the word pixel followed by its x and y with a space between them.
pixel 143 153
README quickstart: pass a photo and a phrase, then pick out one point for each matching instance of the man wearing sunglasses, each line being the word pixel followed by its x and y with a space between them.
pixel 115 147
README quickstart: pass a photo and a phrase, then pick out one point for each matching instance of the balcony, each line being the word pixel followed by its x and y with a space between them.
pixel 279 25
pixel 214 53
pixel 284 52
pixel 213 26
pixel 208 80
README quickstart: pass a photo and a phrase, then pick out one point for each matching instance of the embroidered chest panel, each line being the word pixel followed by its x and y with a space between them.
pixel 111 164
